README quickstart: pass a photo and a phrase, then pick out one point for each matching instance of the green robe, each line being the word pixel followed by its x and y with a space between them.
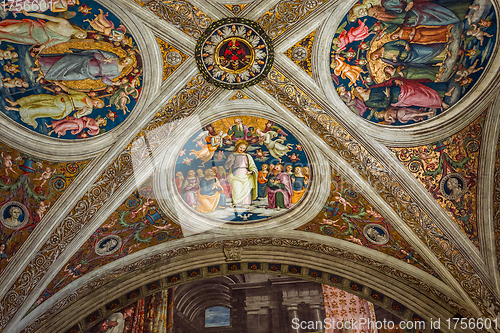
pixel 279 198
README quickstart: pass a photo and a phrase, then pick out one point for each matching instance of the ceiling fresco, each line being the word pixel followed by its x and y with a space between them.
pixel 448 170
pixel 242 169
pixel 70 72
pixel 29 188
pixel 349 216
pixel 402 62
pixel 234 53
pixel 137 224
pixel 243 136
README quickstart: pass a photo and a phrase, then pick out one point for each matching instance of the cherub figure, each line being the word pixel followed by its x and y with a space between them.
pixel 345 70
pixel 160 228
pixel 121 98
pixel 15 83
pixel 373 213
pixel 464 72
pixel 331 222
pixel 8 54
pixel 7 163
pixel 342 201
pixel 473 53
pixel 423 154
pixel 11 68
pixel 45 175
pixel 294 158
pixel 42 209
pixel 475 30
pixel 105 26
pixel 258 153
pixel 220 155
pixel 144 208
pixel 354 240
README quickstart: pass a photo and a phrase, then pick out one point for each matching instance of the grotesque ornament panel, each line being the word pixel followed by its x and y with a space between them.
pixel 400 62
pixel 68 70
pixel 242 169
pixel 234 53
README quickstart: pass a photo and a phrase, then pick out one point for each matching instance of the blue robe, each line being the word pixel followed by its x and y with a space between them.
pixel 418 54
pixel 423 12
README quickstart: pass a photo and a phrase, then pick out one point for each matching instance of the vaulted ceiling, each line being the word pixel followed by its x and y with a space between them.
pixel 439 258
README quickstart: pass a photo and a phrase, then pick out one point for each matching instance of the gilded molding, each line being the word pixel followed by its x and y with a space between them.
pixel 496 201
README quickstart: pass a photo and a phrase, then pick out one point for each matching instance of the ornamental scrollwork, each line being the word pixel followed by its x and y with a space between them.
pixel 285 13
pixel 182 14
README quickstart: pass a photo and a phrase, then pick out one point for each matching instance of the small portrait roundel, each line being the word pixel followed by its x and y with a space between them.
pixel 14 215
pixel 400 62
pixel 108 245
pixel 453 186
pixel 376 234
pixel 242 169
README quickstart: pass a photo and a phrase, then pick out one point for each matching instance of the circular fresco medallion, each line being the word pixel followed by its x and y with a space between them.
pixel 234 53
pixel 242 169
pixel 453 186
pixel 14 215
pixel 402 62
pixel 376 234
pixel 76 77
pixel 108 245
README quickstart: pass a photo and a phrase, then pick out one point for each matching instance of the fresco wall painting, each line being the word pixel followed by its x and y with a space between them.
pixel 29 188
pixel 349 216
pixel 448 170
pixel 70 72
pixel 400 62
pixel 135 225
pixel 242 169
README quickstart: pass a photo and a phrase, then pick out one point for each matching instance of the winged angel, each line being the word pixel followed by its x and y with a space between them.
pixel 209 144
pixel 276 147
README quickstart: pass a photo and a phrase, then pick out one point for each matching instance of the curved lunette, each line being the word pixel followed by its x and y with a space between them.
pixel 53 149
pixel 448 123
pixel 375 271
pixel 193 253
pixel 175 207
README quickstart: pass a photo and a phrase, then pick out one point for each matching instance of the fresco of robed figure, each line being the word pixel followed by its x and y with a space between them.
pixel 71 72
pixel 401 62
pixel 242 169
